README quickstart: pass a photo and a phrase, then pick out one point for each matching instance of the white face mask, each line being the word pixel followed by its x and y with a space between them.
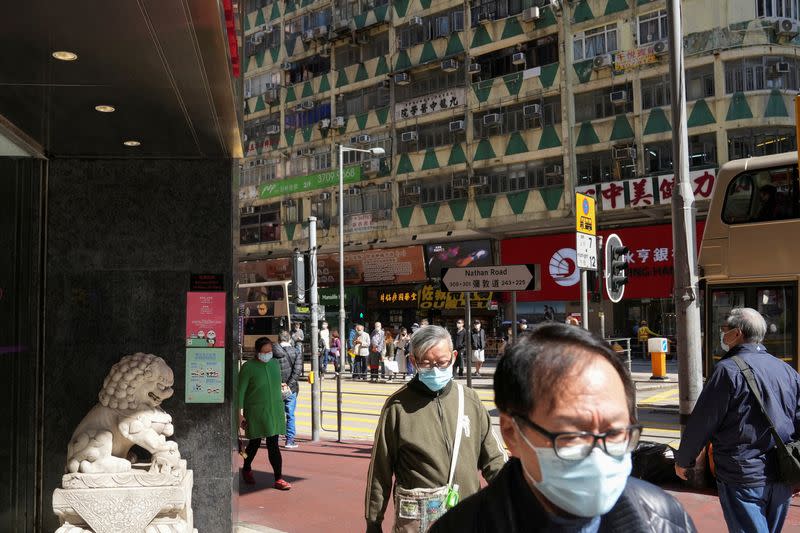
pixel 265 357
pixel 722 343
pixel 588 487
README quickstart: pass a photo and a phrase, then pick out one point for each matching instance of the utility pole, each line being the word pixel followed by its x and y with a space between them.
pixel 684 236
pixel 468 317
pixel 313 299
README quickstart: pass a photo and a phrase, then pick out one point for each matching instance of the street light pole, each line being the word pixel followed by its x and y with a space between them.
pixel 342 333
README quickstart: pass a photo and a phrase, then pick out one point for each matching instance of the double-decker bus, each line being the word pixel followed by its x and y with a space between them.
pixel 750 253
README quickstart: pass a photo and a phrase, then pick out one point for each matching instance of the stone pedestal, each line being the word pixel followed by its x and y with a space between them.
pixel 130 502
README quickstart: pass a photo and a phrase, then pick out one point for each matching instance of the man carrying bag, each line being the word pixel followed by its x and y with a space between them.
pixel 748 409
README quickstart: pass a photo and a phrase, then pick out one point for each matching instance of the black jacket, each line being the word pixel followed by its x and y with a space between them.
pixel 460 341
pixel 478 339
pixel 291 365
pixel 508 505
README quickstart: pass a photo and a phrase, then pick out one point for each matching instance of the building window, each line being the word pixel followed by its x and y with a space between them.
pixel 702 150
pixel 432 81
pixel 759 73
pixel 777 8
pixel 322 209
pixel 521 177
pixel 656 92
pixel 436 26
pixel 368 199
pixel 377 46
pixel 321 159
pixel 430 136
pixel 352 157
pixel 260 224
pixel 257 171
pixel 363 100
pixel 653 27
pixel 658 157
pixel 757 142
pixel 700 82
pixel 599 104
pixel 595 42
pixel 496 9
pixel 300 118
pixel 514 118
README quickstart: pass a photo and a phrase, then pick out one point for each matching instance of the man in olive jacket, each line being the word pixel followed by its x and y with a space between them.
pixel 414 439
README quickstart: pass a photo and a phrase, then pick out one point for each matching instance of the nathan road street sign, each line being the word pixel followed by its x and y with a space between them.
pixel 498 278
pixel 585 232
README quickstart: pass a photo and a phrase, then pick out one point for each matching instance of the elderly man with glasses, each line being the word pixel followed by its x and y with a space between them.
pixel 729 416
pixel 567 414
pixel 432 438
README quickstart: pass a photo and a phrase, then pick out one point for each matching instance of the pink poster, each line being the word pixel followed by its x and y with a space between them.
pixel 205 319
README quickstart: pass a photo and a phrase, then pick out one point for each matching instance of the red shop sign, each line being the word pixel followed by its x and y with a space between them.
pixel 650 262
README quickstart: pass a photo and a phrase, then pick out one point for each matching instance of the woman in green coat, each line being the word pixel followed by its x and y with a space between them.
pixel 261 410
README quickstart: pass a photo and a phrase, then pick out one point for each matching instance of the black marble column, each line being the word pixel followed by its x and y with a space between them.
pixel 123 238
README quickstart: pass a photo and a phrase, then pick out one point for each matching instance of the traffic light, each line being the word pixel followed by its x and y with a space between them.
pixel 616 268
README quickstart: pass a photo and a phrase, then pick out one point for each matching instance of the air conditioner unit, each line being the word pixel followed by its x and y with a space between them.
pixel 363 139
pixel 411 190
pixel 324 196
pixel 479 181
pixel 249 210
pixel 269 29
pixel 261 27
pixel 386 186
pixel 449 65
pixel 531 14
pixel 786 27
pixel 325 123
pixel 273 129
pixel 492 119
pixel 338 122
pixel 270 86
pixel 307 104
pixel 408 136
pixel 618 97
pixel 532 110
pixel 660 48
pixel 782 67
pixel 257 38
pixel 362 38
pixel 457 125
pixel 518 58
pixel 484 18
pixel 415 21
pixel 627 153
pixel 474 68
pixel 248 92
pixel 554 170
pixel 371 165
pixel 286 66
pixel 353 191
pixel 602 61
pixel 402 78
pixel 307 36
pixel 354 139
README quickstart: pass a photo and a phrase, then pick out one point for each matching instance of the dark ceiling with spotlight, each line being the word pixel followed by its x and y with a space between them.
pixel 163 68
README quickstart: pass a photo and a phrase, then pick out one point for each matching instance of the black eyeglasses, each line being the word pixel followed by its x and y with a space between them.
pixel 577 445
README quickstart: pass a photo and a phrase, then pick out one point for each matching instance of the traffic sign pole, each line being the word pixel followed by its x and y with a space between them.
pixel 468 318
pixel 585 247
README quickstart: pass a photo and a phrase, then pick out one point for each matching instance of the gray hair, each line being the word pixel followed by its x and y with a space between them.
pixel 284 336
pixel 750 322
pixel 428 337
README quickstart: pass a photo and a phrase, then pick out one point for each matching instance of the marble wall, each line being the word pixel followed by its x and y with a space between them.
pixel 123 238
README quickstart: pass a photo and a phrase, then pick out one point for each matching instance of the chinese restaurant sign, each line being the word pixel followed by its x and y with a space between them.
pixel 320 180
pixel 650 262
pixel 433 298
pixel 648 191
pixel 630 59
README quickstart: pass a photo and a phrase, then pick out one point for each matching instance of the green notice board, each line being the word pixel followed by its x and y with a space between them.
pixel 205 375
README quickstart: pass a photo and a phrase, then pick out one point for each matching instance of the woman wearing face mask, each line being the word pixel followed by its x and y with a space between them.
pixel 423 448
pixel 261 411
pixel 567 414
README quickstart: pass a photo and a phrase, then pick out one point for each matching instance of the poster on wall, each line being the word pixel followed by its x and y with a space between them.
pixel 205 375
pixel 458 254
pixel 205 319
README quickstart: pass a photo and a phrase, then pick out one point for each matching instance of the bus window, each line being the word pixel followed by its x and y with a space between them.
pixel 773 304
pixel 722 301
pixel 764 195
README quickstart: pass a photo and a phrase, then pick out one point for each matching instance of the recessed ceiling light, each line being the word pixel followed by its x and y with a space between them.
pixel 64 55
pixel 132 143
pixel 105 108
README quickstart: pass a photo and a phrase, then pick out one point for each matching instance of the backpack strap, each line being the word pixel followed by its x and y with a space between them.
pixel 749 377
pixel 459 430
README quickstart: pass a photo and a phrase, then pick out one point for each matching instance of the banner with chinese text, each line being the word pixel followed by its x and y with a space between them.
pixel 647 191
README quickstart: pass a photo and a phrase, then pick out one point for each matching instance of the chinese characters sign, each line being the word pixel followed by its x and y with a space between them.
pixel 431 298
pixel 630 59
pixel 648 191
pixel 586 231
pixel 205 375
pixel 361 222
pixel 430 103
pixel 320 180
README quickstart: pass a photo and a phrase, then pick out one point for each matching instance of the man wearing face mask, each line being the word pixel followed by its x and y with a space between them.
pixel 423 448
pixel 567 414
pixel 729 416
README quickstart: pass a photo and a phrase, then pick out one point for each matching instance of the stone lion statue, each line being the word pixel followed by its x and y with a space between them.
pixel 128 414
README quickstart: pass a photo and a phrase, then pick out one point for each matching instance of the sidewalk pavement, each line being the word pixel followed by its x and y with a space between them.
pixel 328 492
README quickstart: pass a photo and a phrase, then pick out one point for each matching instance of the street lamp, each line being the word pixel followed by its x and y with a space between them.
pixel 342 333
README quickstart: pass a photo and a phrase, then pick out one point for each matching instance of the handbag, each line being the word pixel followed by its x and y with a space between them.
pixel 391 366
pixel 788 453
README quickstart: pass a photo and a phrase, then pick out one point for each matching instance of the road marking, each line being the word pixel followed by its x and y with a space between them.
pixel 659 397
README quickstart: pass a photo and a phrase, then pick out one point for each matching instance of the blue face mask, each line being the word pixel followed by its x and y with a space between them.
pixel 435 378
pixel 265 357
pixel 588 487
